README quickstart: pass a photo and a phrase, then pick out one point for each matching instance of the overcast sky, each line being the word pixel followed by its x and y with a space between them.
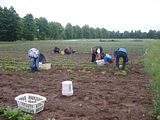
pixel 111 14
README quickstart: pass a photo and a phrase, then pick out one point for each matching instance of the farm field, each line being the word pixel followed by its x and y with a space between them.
pixel 100 92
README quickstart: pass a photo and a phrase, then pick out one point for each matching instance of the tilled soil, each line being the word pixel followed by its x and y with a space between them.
pixel 99 94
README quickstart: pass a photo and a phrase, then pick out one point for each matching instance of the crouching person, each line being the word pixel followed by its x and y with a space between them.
pixel 42 58
pixel 33 54
pixel 56 50
pixel 97 53
pixel 118 54
pixel 69 50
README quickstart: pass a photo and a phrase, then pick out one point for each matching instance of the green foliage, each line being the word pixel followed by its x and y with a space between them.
pixel 12 27
pixel 12 114
pixel 15 114
pixel 29 27
pixel 9 24
pixel 68 31
pixel 152 65
pixel 25 117
pixel 56 31
pixel 13 64
pixel 42 28
pixel 86 31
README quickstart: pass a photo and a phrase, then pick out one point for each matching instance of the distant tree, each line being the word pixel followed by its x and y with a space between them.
pixel 29 27
pixel 152 34
pixel 104 33
pixel 158 34
pixel 20 29
pixel 98 33
pixel 56 30
pixel 92 33
pixel 77 32
pixel 68 31
pixel 86 31
pixel 42 28
pixel 9 24
pixel 126 34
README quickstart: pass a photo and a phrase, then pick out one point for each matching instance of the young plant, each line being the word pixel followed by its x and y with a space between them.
pixel 25 117
pixel 12 114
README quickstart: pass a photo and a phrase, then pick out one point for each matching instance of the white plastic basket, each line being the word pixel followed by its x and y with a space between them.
pixel 30 103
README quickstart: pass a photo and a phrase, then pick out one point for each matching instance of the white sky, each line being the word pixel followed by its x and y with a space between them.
pixel 111 14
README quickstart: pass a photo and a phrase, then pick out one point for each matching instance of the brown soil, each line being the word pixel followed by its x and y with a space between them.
pixel 99 94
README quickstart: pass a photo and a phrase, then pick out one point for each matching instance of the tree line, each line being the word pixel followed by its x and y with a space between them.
pixel 13 27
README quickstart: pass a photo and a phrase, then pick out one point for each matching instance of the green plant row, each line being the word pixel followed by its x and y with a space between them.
pixel 14 114
pixel 152 65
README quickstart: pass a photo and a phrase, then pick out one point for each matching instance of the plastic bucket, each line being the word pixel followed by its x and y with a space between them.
pixel 67 88
pixel 100 62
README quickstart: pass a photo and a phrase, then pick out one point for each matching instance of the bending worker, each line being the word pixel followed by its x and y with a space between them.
pixel 33 54
pixel 118 54
pixel 97 53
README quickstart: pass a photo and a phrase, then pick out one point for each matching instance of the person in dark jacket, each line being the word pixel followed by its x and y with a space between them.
pixel 118 54
pixel 97 53
pixel 56 50
pixel 69 50
pixel 42 58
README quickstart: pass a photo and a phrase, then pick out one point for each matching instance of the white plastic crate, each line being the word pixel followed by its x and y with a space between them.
pixel 30 103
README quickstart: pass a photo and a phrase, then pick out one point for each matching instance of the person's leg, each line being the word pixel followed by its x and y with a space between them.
pixel 120 55
pixel 93 57
pixel 117 60
pixel 32 64
pixel 124 60
pixel 37 64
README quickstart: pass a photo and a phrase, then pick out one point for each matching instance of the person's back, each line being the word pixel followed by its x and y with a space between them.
pixel 121 53
pixel 69 50
pixel 56 50
pixel 122 49
pixel 33 54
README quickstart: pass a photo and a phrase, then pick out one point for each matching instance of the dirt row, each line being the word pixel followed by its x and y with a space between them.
pixel 99 94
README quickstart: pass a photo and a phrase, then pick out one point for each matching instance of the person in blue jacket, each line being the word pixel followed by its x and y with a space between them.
pixel 118 54
pixel 34 54
pixel 107 59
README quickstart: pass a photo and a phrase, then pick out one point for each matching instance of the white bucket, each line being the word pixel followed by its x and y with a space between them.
pixel 67 88
pixel 100 62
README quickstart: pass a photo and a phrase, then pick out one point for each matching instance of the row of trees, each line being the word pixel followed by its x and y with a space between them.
pixel 13 28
